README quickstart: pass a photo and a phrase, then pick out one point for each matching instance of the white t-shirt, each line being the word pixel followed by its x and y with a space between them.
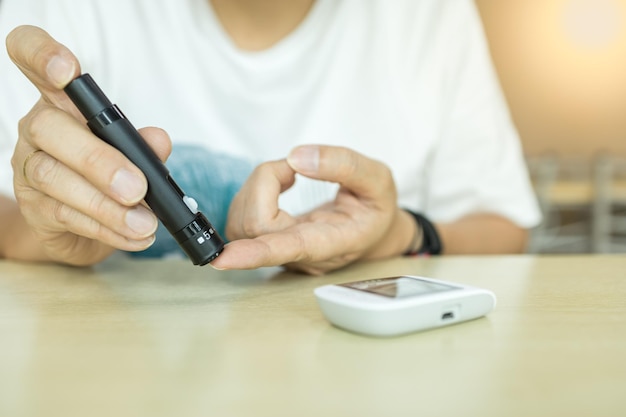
pixel 408 82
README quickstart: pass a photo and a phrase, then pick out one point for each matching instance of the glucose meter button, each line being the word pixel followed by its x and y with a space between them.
pixel 191 203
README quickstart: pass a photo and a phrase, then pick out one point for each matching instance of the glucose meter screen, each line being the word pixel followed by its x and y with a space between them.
pixel 399 287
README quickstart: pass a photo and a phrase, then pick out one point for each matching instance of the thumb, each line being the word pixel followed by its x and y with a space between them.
pixel 49 65
pixel 361 175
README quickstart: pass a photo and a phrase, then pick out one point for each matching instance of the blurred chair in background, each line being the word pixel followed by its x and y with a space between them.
pixel 583 201
pixel 609 206
pixel 565 193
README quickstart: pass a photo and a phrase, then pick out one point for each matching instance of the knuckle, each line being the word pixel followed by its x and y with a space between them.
pixel 388 182
pixel 26 201
pixel 386 175
pixel 15 164
pixel 349 165
pixel 304 255
pixel 231 232
pixel 95 230
pixel 61 213
pixel 97 204
pixel 23 124
pixel 262 170
pixel 252 229
pixel 94 157
pixel 42 170
pixel 37 122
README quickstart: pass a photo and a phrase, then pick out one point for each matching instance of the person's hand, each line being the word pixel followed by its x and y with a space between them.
pixel 362 222
pixel 81 198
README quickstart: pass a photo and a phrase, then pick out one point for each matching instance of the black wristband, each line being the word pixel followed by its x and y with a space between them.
pixel 431 243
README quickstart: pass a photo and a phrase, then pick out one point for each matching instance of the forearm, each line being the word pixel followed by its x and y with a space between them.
pixel 16 238
pixel 482 234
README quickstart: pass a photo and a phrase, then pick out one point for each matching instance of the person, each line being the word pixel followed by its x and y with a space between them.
pixel 359 130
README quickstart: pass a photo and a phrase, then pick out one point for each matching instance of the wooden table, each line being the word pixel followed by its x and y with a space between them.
pixel 165 338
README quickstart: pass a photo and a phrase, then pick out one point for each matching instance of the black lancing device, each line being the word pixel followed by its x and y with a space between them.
pixel 178 212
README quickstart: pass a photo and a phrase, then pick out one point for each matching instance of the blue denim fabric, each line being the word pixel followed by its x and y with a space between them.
pixel 212 179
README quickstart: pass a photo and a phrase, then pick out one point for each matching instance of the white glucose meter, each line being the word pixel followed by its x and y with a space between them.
pixel 401 304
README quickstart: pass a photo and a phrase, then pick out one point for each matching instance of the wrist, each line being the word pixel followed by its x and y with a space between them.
pixel 430 242
pixel 417 239
pixel 399 236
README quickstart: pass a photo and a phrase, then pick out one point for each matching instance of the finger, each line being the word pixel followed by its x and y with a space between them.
pixel 49 65
pixel 254 210
pixel 158 140
pixel 363 176
pixel 53 217
pixel 72 190
pixel 303 245
pixel 249 254
pixel 70 142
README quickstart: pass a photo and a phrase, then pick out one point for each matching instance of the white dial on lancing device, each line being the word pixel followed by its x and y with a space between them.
pixel 401 304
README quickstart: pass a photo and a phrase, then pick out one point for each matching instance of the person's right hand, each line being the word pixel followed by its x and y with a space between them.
pixel 81 197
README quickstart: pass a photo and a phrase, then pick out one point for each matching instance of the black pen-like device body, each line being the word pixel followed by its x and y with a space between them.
pixel 178 212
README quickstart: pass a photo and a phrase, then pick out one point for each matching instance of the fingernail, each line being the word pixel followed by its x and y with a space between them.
pixel 130 187
pixel 146 243
pixel 141 220
pixel 60 71
pixel 305 159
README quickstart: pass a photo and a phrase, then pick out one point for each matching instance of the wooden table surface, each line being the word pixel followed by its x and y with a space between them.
pixel 166 338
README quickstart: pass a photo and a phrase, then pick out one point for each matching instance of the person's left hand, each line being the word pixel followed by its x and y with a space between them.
pixel 362 222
